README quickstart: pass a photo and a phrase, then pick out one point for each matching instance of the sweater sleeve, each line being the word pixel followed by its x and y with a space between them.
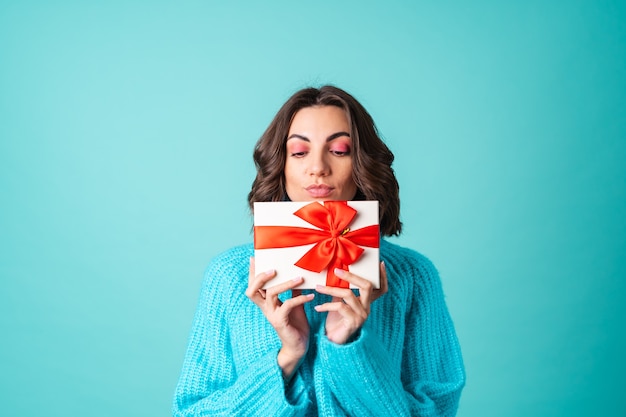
pixel 210 383
pixel 364 379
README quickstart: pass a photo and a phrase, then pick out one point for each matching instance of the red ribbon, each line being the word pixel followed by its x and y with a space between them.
pixel 336 246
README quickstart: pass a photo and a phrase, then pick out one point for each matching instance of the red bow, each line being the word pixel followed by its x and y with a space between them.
pixel 336 246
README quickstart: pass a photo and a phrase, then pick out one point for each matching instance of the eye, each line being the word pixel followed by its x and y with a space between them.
pixel 340 150
pixel 297 149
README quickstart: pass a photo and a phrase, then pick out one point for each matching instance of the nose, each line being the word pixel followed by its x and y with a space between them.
pixel 318 164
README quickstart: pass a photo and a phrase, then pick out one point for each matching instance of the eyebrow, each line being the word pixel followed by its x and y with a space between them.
pixel 328 139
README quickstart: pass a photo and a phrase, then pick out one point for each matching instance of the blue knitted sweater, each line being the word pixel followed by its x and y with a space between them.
pixel 406 360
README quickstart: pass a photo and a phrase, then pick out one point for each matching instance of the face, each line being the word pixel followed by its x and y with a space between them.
pixel 319 155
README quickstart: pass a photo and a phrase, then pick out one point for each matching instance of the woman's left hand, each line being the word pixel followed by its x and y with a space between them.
pixel 347 312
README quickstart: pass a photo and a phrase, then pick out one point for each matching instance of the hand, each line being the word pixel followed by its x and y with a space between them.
pixel 288 318
pixel 347 312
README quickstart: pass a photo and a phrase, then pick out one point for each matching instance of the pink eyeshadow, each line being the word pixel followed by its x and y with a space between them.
pixel 340 147
pixel 297 148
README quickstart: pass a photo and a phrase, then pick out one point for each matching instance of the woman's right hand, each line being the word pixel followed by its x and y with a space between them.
pixel 288 318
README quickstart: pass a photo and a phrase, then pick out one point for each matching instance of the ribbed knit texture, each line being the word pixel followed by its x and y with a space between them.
pixel 406 361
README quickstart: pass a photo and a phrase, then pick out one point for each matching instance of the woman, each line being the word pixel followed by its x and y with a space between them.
pixel 330 351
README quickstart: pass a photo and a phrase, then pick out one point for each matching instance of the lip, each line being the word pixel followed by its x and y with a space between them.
pixel 319 190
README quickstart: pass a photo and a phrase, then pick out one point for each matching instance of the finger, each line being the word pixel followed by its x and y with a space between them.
pixel 333 306
pixel 255 288
pixel 383 283
pixel 273 292
pixel 294 302
pixel 251 272
pixel 356 307
pixel 353 279
pixel 352 318
pixel 255 283
pixel 345 294
pixel 347 298
pixel 334 291
pixel 365 287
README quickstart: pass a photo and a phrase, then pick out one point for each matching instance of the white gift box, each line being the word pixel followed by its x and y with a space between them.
pixel 270 254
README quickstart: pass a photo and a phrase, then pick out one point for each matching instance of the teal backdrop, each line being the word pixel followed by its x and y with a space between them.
pixel 126 133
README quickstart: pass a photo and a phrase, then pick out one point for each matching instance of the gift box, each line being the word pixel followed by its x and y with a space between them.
pixel 310 239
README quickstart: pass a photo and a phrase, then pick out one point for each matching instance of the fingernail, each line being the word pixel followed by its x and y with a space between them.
pixel 270 271
pixel 340 272
pixel 297 279
pixel 319 287
pixel 383 265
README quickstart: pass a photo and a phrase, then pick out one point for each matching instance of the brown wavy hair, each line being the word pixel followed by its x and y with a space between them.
pixel 371 158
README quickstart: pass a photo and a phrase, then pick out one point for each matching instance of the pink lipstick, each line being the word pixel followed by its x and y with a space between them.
pixel 319 190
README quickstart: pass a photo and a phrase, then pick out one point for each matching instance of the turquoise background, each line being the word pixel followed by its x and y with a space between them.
pixel 126 133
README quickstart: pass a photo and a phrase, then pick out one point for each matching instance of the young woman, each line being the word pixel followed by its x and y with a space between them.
pixel 330 351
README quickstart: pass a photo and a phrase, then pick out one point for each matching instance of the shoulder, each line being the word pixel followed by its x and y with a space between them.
pixel 405 259
pixel 228 271
pixel 232 260
pixel 408 270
